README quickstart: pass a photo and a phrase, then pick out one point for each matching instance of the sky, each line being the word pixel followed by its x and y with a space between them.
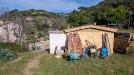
pixel 49 5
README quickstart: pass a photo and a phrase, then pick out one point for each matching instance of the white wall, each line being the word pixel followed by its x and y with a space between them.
pixel 56 39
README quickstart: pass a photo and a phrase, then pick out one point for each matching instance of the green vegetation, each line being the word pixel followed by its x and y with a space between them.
pixel 16 67
pixel 12 46
pixel 117 64
pixel 113 12
pixel 118 12
pixel 77 18
pixel 38 22
pixel 126 30
pixel 7 54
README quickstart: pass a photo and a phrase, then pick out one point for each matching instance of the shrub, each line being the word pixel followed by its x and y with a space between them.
pixel 7 54
pixel 12 46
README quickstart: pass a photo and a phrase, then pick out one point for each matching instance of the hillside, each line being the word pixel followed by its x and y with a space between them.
pixel 39 20
pixel 117 12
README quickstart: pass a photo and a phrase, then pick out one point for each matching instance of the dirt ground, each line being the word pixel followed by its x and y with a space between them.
pixel 33 63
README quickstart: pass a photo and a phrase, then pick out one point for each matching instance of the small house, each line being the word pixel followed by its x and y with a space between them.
pixel 94 35
pixel 57 41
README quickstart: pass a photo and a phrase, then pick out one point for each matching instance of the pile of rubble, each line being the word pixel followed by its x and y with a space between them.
pixel 124 42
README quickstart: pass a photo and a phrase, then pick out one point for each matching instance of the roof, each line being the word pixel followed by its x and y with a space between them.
pixel 108 29
pixel 56 32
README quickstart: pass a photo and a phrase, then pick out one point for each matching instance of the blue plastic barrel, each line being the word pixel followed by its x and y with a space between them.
pixel 104 52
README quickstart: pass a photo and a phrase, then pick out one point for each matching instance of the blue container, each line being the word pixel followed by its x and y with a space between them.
pixel 74 55
pixel 104 52
pixel 85 52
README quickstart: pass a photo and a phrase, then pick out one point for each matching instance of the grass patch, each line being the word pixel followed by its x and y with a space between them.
pixel 116 65
pixel 6 68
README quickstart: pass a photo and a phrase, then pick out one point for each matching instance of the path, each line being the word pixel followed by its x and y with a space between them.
pixel 33 63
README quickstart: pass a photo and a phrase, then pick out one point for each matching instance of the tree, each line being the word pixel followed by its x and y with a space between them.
pixel 78 18
pixel 118 15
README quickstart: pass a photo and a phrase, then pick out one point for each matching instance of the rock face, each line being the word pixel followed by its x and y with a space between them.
pixel 10 32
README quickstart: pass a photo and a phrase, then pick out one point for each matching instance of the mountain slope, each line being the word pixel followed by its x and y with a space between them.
pixel 106 12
